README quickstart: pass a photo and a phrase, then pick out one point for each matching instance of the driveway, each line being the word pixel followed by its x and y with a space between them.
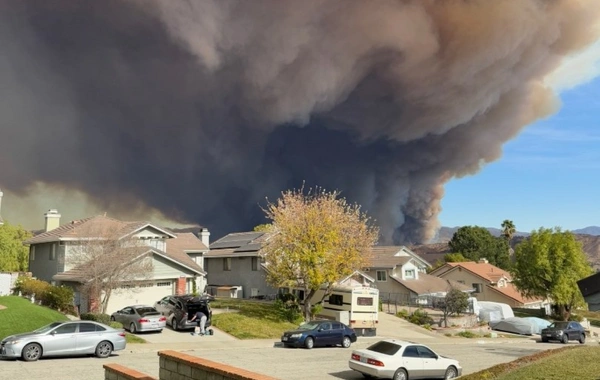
pixel 168 336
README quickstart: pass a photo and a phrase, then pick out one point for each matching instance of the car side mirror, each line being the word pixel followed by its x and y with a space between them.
pixel 53 332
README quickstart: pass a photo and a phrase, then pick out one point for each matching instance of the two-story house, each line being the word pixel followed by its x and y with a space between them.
pixel 235 268
pixel 400 275
pixel 176 258
pixel 489 282
pixel 590 289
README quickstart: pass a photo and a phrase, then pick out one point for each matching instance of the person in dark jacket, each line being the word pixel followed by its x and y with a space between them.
pixel 200 319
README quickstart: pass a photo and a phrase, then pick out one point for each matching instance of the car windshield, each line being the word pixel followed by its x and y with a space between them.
pixel 47 328
pixel 308 326
pixel 559 325
pixel 143 311
pixel 387 348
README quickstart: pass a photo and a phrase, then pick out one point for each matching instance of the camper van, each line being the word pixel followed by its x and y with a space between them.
pixel 355 306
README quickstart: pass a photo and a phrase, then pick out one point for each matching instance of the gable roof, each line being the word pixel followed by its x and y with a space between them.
pixel 589 285
pixel 427 284
pixel 77 229
pixel 237 244
pixel 390 256
pixel 486 271
pixel 77 274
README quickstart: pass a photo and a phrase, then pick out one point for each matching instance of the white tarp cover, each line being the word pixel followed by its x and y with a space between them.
pixel 539 324
pixel 494 311
pixel 515 325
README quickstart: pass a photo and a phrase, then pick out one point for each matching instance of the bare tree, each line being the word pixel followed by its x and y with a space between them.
pixel 104 258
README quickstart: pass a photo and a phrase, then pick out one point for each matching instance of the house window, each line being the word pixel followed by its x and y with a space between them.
pixel 227 263
pixel 410 273
pixel 255 263
pixel 381 275
pixel 164 283
pixel 53 252
pixel 478 288
pixel 32 253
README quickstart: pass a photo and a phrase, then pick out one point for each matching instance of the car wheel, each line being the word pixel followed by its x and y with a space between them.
pixel 103 349
pixel 400 374
pixel 582 339
pixel 309 343
pixel 132 328
pixel 174 324
pixel 346 342
pixel 31 352
pixel 565 339
pixel 544 340
pixel 451 373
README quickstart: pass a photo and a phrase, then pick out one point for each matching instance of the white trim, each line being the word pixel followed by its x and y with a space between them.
pixel 150 225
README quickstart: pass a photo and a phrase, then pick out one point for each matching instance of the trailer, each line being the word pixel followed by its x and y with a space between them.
pixel 355 306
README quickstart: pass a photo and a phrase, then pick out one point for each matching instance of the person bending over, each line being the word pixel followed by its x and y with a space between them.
pixel 200 319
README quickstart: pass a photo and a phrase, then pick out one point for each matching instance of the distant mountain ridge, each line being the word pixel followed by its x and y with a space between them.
pixel 445 233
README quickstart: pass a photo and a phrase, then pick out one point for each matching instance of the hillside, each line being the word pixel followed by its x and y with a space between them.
pixel 436 251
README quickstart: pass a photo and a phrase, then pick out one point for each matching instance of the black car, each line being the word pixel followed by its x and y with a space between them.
pixel 319 333
pixel 564 332
pixel 180 309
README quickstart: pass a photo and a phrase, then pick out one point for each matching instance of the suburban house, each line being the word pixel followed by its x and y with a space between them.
pixel 400 275
pixel 235 269
pixel 489 282
pixel 176 259
pixel 590 289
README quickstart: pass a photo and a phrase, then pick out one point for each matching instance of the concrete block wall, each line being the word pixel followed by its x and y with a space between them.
pixel 178 366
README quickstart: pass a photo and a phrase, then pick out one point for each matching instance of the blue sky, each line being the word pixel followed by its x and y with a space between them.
pixel 548 176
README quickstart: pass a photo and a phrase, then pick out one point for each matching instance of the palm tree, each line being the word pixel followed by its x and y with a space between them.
pixel 508 229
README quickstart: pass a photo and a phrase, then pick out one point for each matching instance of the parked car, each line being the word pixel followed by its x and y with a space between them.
pixel 180 309
pixel 140 318
pixel 564 332
pixel 400 360
pixel 64 339
pixel 319 333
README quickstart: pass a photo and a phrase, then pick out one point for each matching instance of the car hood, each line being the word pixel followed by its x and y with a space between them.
pixel 550 329
pixel 20 336
pixel 291 332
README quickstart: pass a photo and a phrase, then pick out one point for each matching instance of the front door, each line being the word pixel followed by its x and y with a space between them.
pixel 411 360
pixel 61 341
pixel 431 364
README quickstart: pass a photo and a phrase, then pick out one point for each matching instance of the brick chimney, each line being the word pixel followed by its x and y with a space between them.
pixel 205 236
pixel 52 218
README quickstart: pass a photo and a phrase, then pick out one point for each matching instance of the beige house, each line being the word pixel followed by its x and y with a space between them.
pixel 177 258
pixel 489 282
pixel 400 275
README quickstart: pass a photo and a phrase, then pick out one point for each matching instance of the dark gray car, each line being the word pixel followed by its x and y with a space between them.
pixel 564 332
pixel 180 309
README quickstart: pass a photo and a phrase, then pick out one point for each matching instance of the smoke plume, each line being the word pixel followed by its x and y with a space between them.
pixel 201 109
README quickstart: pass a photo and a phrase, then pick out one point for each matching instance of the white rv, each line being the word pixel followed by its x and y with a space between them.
pixel 355 306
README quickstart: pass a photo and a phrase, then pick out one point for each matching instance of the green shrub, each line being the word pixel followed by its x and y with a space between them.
pixel 575 317
pixel 467 334
pixel 427 326
pixel 116 325
pixel 29 286
pixel 316 309
pixel 96 317
pixel 288 310
pixel 59 298
pixel 402 314
pixel 420 317
pixel 595 322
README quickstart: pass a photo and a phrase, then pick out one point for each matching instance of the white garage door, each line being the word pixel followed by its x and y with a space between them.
pixel 146 295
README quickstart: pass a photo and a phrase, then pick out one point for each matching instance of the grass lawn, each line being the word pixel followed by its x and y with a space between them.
pixel 574 362
pixel 253 319
pixel 131 338
pixel 22 316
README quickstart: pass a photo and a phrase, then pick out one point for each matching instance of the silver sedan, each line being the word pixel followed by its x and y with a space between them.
pixel 64 339
pixel 140 318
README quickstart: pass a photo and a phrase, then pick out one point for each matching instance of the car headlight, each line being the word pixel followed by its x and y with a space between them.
pixel 560 332
pixel 12 342
pixel 295 335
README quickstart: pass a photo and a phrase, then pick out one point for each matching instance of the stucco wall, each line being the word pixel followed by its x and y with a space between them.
pixel 241 273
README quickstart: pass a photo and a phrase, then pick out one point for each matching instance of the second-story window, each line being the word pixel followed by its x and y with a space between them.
pixel 227 263
pixel 381 275
pixel 32 253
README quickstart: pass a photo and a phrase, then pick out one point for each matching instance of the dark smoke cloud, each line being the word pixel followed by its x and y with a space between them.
pixel 202 108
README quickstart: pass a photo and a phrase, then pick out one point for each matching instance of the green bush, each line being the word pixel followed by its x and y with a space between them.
pixel 288 310
pixel 467 334
pixel 595 322
pixel 29 286
pixel 420 317
pixel 575 317
pixel 116 325
pixel 59 298
pixel 402 314
pixel 96 317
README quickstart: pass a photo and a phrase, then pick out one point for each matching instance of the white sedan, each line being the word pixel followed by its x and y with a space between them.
pixel 400 360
